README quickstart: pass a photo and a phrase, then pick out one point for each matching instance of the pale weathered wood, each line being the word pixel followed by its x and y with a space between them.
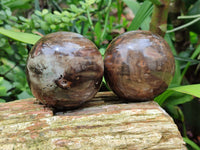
pixel 103 123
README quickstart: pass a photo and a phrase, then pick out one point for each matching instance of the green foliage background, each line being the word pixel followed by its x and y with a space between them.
pixel 23 22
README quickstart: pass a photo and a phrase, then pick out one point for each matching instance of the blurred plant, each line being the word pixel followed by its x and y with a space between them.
pixel 95 20
pixel 90 18
pixel 177 95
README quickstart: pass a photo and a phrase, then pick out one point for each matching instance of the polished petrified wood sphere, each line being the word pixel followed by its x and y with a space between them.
pixel 138 65
pixel 64 69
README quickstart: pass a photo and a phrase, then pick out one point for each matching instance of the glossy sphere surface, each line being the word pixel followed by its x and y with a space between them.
pixel 64 69
pixel 138 65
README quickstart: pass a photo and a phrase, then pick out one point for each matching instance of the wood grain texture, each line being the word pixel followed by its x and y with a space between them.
pixel 64 69
pixel 138 65
pixel 105 122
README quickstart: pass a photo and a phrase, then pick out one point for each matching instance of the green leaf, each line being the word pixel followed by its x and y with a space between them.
pixel 17 3
pixel 65 19
pixel 13 18
pixel 177 76
pixel 187 59
pixel 90 2
pixel 196 52
pixel 2 100
pixel 1 22
pixel 2 42
pixel 22 18
pixel 20 36
pixel 3 91
pixel 142 14
pixel 44 25
pixel 133 5
pixel 162 97
pixel 193 38
pixel 156 2
pixel 5 83
pixel 175 112
pixel 8 12
pixel 61 25
pixel 24 95
pixel 53 26
pixel 191 143
pixel 48 18
pixel 37 12
pixel 104 81
pixel 45 11
pixel 184 26
pixel 7 65
pixel 193 89
pixel 56 12
pixel 1 80
pixel 82 18
pixel 98 32
pixel 2 15
pixel 102 51
pixel 178 98
pixel 73 8
pixel 37 5
pixel 106 21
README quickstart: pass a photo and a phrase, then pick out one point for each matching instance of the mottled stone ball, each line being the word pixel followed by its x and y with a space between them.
pixel 139 65
pixel 64 70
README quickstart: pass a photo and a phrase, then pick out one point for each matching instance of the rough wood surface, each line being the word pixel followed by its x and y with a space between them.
pixel 103 123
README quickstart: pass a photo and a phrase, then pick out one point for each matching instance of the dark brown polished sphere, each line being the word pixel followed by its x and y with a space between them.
pixel 64 69
pixel 139 65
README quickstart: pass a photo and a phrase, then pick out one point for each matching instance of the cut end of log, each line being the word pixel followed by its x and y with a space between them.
pixel 103 123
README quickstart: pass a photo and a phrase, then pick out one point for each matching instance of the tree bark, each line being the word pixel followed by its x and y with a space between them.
pixel 105 122
pixel 182 39
pixel 159 17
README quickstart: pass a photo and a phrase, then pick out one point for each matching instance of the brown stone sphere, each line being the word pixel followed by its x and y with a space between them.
pixel 64 69
pixel 139 65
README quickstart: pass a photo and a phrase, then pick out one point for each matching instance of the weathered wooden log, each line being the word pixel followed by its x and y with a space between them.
pixel 105 122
